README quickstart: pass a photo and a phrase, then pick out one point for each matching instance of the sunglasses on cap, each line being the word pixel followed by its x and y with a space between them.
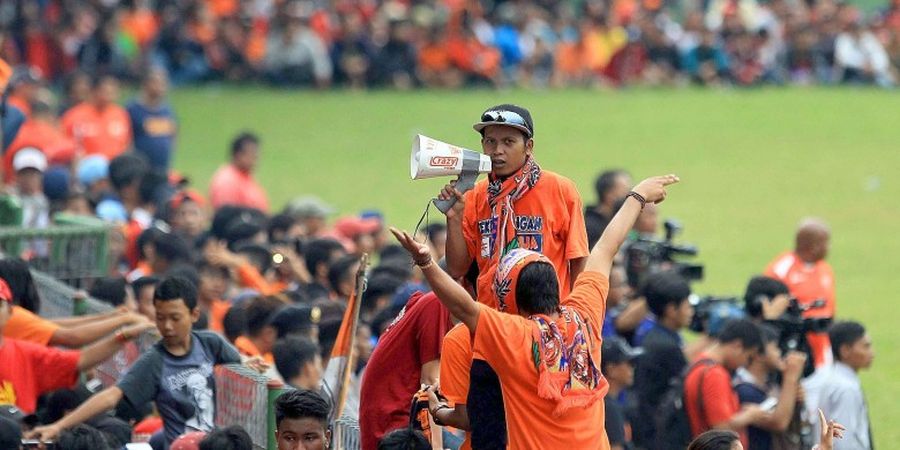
pixel 505 117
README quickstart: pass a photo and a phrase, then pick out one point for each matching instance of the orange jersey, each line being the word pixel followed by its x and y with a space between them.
pixel 549 219
pixel 102 132
pixel 456 360
pixel 506 341
pixel 25 325
pixel 247 348
pixel 808 282
pixel 44 136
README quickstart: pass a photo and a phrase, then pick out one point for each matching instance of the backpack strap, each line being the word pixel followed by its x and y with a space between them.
pixel 707 365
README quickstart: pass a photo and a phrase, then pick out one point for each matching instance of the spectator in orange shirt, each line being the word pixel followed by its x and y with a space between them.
pixel 22 88
pixel 233 183
pixel 809 278
pixel 42 131
pixel 214 282
pixel 99 125
pixel 547 356
pixel 261 334
pixel 518 206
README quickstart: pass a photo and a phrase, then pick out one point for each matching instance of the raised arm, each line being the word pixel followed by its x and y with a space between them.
pixel 652 190
pixel 79 336
pixel 108 346
pixel 449 292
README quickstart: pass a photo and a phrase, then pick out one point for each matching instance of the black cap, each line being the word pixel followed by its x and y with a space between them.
pixel 508 115
pixel 616 350
pixel 10 433
pixel 294 318
pixel 11 412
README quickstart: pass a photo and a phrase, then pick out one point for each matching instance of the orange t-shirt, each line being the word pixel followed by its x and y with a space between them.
pixel 25 325
pixel 231 186
pixel 217 311
pixel 104 132
pixel 248 348
pixel 505 342
pixel 456 360
pixel 44 136
pixel 549 220
pixel 808 282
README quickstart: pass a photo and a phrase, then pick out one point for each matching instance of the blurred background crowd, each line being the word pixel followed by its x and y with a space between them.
pixel 453 43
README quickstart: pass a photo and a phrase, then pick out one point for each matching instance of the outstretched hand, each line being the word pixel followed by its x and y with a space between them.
pixel 420 252
pixel 828 430
pixel 653 189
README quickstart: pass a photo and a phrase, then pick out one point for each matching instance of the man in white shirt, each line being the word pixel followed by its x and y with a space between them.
pixel 861 58
pixel 836 389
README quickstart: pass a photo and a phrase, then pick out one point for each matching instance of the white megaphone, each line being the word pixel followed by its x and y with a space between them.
pixel 432 158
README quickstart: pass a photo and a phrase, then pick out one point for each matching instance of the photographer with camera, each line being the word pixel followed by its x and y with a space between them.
pixel 756 384
pixel 666 295
pixel 810 279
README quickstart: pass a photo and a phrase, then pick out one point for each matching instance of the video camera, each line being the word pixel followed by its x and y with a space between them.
pixel 645 256
pixel 710 307
pixel 792 328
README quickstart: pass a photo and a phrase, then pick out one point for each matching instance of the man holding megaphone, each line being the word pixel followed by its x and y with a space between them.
pixel 520 205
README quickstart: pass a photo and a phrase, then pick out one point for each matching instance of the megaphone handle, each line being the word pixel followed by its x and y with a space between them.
pixel 464 183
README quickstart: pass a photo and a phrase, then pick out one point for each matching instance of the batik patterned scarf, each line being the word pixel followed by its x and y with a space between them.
pixel 562 355
pixel 502 194
pixel 507 275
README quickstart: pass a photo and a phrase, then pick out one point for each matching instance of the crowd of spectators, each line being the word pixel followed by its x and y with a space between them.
pixel 452 43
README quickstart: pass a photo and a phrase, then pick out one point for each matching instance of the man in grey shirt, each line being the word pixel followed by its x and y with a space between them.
pixel 836 389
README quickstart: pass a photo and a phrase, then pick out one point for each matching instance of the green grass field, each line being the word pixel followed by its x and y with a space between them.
pixel 752 163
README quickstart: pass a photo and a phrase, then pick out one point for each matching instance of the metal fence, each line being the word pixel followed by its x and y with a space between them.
pixel 345 434
pixel 74 249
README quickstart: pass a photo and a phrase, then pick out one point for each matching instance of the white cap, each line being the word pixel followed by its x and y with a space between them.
pixel 29 158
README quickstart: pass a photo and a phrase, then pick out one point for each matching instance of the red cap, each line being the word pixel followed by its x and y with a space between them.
pixel 5 292
pixel 352 227
pixel 187 195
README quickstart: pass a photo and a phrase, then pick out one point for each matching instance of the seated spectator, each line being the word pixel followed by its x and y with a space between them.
pixel 837 388
pixel 861 58
pixel 187 355
pixel 707 63
pixel 233 184
pixel 404 439
pixel 610 187
pixel 663 358
pixel 394 65
pixel 312 213
pixel 320 255
pixel 342 277
pixel 153 122
pixel 299 362
pixel 41 131
pixel 233 437
pixel 26 368
pixel 100 126
pixel 710 400
pixel 301 416
pixel 214 283
pixel 295 55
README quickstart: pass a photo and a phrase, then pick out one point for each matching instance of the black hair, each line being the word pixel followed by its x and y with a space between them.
pixel 280 223
pixel 116 431
pixel 379 285
pixel 82 437
pixel 758 287
pixel 339 271
pixel 665 288
pixel 126 169
pixel 537 289
pixel 433 229
pixel 110 289
pixel 605 182
pixel 175 288
pixel 404 439
pixel 744 331
pixel 328 331
pixel 292 353
pixel 232 437
pixel 10 433
pixel 59 402
pixel 714 440
pixel 319 251
pixel 259 256
pixel 241 141
pixel 301 404
pixel 142 282
pixel 769 333
pixel 154 187
pixel 172 248
pixel 17 275
pixel 844 333
pixel 185 270
pixel 394 268
pixel 234 324
pixel 260 311
pixel 205 267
